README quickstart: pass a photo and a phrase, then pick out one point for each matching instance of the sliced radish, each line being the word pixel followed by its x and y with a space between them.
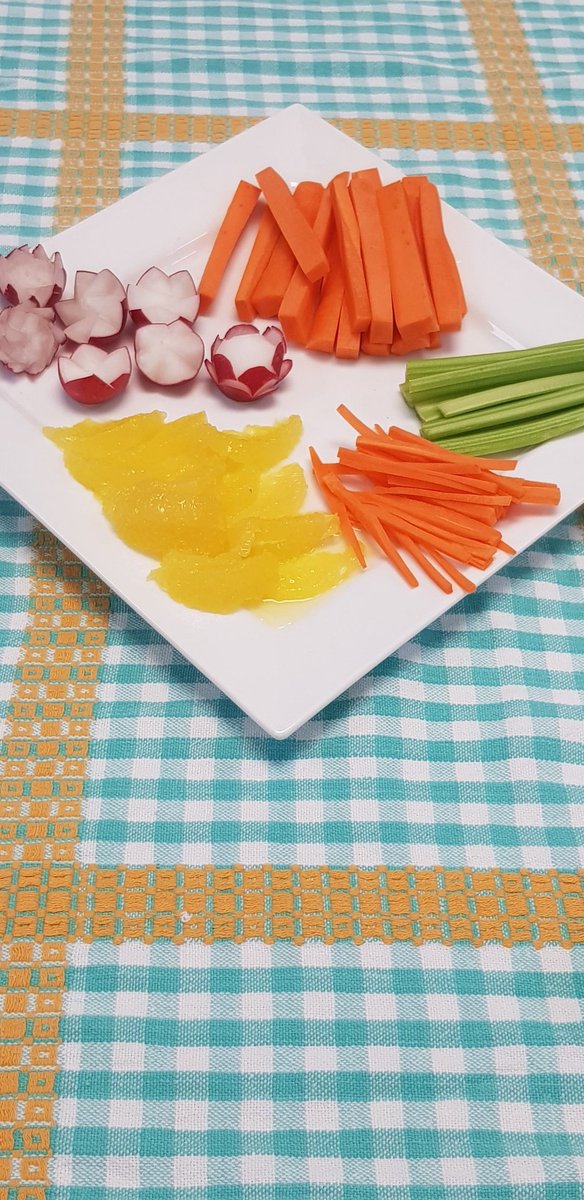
pixel 160 299
pixel 29 338
pixel 168 354
pixel 31 275
pixel 92 376
pixel 97 311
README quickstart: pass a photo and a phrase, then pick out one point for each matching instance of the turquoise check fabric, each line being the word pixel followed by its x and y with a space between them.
pixel 321 1073
pixel 317 1072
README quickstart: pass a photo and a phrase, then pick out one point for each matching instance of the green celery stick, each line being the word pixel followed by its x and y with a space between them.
pixel 513 391
pixel 517 437
pixel 504 414
pixel 431 366
pixel 460 376
pixel 406 395
pixel 427 411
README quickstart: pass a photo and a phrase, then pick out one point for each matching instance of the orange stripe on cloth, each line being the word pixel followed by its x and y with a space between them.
pixel 42 772
pixel 90 162
pixel 540 177
pixel 376 133
pixel 295 903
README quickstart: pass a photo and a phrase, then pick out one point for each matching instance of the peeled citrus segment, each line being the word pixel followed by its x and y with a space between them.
pixel 285 538
pixel 280 493
pixel 237 490
pixel 261 446
pixel 108 436
pixel 312 574
pixel 156 519
pixel 220 585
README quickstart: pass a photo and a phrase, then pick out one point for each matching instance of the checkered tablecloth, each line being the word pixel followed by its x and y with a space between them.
pixel 348 966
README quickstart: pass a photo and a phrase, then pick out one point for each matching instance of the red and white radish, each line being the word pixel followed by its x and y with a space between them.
pixel 92 376
pixel 29 337
pixel 160 299
pixel 246 364
pixel 168 354
pixel 31 275
pixel 97 311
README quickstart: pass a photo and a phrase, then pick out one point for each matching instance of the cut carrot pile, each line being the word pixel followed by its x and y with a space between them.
pixel 352 268
pixel 413 498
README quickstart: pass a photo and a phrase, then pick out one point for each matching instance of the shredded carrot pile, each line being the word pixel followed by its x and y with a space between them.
pixel 407 494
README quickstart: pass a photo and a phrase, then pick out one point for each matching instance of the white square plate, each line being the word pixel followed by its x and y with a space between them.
pixel 284 672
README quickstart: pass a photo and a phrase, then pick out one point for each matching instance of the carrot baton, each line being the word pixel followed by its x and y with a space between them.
pixel 301 298
pixel 445 282
pixel 266 238
pixel 232 226
pixel 300 236
pixel 375 349
pixel 364 188
pixel 359 308
pixel 282 265
pixel 348 341
pixel 323 332
pixel 413 306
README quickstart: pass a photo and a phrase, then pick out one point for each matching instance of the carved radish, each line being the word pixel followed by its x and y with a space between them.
pixel 160 299
pixel 29 337
pixel 168 354
pixel 97 311
pixel 92 376
pixel 246 364
pixel 31 275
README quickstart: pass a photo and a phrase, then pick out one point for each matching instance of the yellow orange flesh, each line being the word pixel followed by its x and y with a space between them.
pixel 224 525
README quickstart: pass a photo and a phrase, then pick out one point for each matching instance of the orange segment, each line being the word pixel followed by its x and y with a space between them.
pixel 220 585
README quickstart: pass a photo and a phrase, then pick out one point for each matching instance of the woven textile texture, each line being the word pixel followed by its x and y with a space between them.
pixel 348 966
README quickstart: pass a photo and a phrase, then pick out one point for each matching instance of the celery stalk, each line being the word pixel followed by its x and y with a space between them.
pixel 514 391
pixel 437 379
pixel 517 437
pixel 504 414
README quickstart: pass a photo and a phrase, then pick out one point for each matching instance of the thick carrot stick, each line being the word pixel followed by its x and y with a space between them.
pixel 265 240
pixel 413 308
pixel 350 246
pixel 230 230
pixel 275 279
pixel 402 345
pixel 323 332
pixel 348 341
pixel 445 282
pixel 411 185
pixel 364 188
pixel 300 300
pixel 300 236
pixel 375 349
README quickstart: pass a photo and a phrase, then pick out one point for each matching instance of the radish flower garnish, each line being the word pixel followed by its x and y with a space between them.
pixel 246 364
